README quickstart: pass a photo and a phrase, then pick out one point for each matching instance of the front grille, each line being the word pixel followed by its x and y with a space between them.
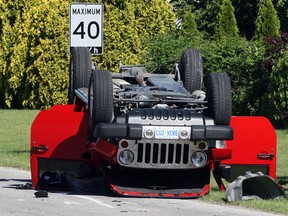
pixel 164 155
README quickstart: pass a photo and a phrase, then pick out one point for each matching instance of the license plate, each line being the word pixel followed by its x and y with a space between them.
pixel 166 133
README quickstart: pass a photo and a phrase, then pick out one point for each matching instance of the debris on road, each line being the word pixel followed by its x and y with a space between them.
pixel 253 186
pixel 41 194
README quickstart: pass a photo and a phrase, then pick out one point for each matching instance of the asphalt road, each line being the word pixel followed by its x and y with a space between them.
pixel 23 202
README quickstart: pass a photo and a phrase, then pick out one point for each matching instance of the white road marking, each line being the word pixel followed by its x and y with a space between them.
pixel 95 201
pixel 73 203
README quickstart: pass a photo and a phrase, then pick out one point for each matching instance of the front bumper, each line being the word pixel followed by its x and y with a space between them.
pixel 136 132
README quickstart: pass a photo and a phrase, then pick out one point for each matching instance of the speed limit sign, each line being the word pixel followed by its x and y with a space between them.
pixel 86 26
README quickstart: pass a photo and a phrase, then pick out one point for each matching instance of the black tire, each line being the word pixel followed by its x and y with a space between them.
pixel 80 70
pixel 219 97
pixel 100 98
pixel 191 70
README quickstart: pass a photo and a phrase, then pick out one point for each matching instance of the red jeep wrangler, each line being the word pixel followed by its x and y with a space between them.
pixel 148 134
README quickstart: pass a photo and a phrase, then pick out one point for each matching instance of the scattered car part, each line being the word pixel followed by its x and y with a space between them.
pixel 41 194
pixel 253 185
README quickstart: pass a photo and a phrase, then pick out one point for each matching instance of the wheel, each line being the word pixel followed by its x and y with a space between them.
pixel 100 98
pixel 80 70
pixel 219 97
pixel 191 70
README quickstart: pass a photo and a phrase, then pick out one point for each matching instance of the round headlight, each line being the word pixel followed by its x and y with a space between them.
pixel 183 134
pixel 149 133
pixel 199 159
pixel 126 157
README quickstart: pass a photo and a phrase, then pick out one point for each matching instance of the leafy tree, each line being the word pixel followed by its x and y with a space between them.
pixel 182 6
pixel 267 21
pixel 226 25
pixel 282 9
pixel 34 53
pixel 8 15
pixel 245 13
pixel 188 26
pixel 205 13
pixel 127 25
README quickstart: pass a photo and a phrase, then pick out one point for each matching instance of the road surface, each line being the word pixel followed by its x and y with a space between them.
pixel 23 202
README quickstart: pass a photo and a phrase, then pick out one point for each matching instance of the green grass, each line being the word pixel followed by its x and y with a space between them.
pixel 14 137
pixel 14 152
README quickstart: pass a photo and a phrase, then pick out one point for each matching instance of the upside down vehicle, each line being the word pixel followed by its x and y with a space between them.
pixel 145 134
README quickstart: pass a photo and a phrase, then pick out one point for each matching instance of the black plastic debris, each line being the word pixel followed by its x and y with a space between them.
pixel 253 186
pixel 24 186
pixel 41 194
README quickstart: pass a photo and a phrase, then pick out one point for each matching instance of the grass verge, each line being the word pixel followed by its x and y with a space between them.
pixel 14 137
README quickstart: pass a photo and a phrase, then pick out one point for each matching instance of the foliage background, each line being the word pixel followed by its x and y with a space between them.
pixel 34 55
pixel 34 50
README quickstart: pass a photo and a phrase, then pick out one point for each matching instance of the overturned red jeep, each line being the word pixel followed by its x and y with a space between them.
pixel 145 134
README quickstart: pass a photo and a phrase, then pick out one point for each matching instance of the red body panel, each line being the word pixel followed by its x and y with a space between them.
pixel 254 143
pixel 59 133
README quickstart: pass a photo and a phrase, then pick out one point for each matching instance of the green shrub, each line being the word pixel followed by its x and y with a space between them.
pixel 276 99
pixel 163 51
pixel 273 82
pixel 242 60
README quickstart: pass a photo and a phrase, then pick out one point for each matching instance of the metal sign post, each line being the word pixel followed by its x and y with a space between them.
pixel 86 26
